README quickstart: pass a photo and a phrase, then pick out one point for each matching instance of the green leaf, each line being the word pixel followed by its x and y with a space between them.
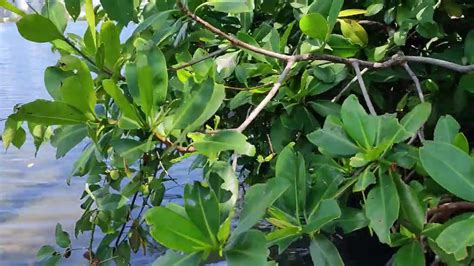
pixel 83 164
pixel 202 208
pixel 248 248
pixel 10 7
pixel 212 145
pixel 326 211
pixel 360 126
pixel 332 138
pixel 351 12
pixel 90 17
pixel 110 39
pixel 194 109
pixel 415 119
pixel 325 108
pixel 67 137
pixel 351 220
pixel 232 6
pixel 382 207
pixel 469 47
pixel 122 11
pixel 73 8
pixel 74 94
pixel 129 113
pixel 44 252
pixel 283 238
pixel 10 131
pixel 111 202
pixel 410 255
pixel 461 142
pixel 50 113
pixel 450 167
pixel 446 129
pixel 457 237
pixel 365 179
pixel 56 12
pixel 62 238
pixel 53 80
pixel 324 253
pixel 352 30
pixel 175 232
pixel 37 28
pixel 373 9
pixel 129 149
pixel 173 258
pixel 257 199
pixel 412 214
pixel 211 108
pixel 291 167
pixel 315 26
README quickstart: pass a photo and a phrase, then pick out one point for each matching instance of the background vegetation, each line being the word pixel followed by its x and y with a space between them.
pixel 327 125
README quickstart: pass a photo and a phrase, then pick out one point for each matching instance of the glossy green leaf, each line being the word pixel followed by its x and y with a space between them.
pixel 129 149
pixel 315 26
pixel 332 138
pixel 175 232
pixel 56 13
pixel 202 208
pixel 232 6
pixel 129 113
pixel 450 167
pixel 248 248
pixel 351 220
pixel 325 108
pixel 50 113
pixel 10 130
pixel 62 238
pixel 412 214
pixel 365 179
pixel 410 255
pixel 283 238
pixel 194 108
pixel 37 28
pixel 446 129
pixel 110 39
pixel 73 8
pixel 173 258
pixel 122 11
pixel 382 207
pixel 44 252
pixel 291 167
pixel 466 83
pixel 360 126
pixel 53 79
pixel 415 119
pixel 257 199
pixel 67 137
pixel 324 253
pixel 212 145
pixel 82 165
pixel 352 30
pixel 90 17
pixel 327 211
pixel 211 108
pixel 461 142
pixel 457 237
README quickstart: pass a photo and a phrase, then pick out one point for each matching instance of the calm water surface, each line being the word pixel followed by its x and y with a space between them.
pixel 33 192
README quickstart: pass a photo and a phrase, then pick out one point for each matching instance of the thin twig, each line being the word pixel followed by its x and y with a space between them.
pixel 365 93
pixel 199 60
pixel 248 89
pixel 415 80
pixel 117 242
pixel 267 98
pixel 348 85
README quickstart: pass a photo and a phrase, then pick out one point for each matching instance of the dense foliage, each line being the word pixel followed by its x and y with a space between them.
pixel 268 99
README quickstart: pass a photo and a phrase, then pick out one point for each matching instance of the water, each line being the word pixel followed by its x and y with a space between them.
pixel 33 192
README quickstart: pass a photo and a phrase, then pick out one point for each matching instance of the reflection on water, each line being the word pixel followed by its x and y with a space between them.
pixel 33 192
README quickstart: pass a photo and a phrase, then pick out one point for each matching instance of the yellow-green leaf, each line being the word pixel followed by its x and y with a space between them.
pixel 352 30
pixel 351 12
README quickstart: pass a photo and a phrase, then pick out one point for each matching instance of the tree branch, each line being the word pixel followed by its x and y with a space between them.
pixel 396 60
pixel 170 144
pixel 267 98
pixel 451 207
pixel 365 93
pixel 348 85
pixel 415 80
pixel 199 60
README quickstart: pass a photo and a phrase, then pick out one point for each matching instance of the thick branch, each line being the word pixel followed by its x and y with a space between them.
pixel 365 93
pixel 267 98
pixel 396 60
pixel 451 207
